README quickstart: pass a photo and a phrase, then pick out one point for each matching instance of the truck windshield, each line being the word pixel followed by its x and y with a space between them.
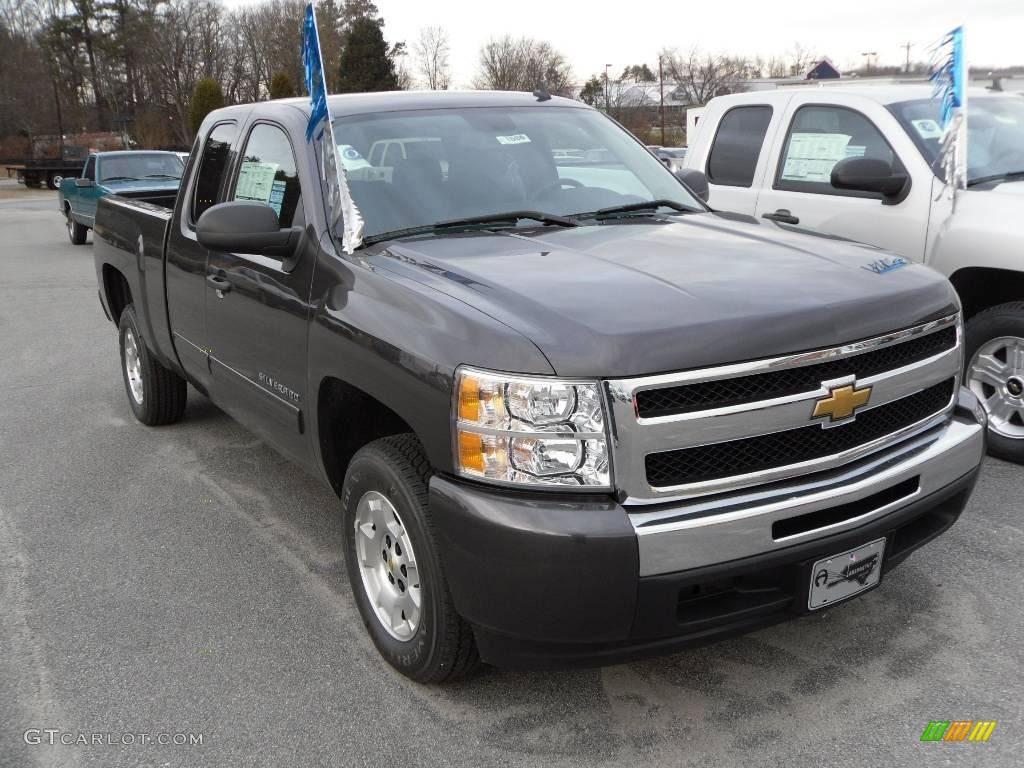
pixel 416 168
pixel 995 134
pixel 141 165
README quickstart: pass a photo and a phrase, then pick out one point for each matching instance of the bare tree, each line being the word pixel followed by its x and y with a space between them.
pixel 701 75
pixel 431 51
pixel 801 59
pixel 523 64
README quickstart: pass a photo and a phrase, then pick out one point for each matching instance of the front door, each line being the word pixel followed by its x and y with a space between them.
pixel 798 191
pixel 257 307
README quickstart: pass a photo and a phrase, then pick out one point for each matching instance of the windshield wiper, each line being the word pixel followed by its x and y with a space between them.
pixel 646 205
pixel 161 176
pixel 508 217
pixel 120 178
pixel 1009 176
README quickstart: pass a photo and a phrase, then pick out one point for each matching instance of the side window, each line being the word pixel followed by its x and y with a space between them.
pixel 268 173
pixel 821 136
pixel 90 168
pixel 737 146
pixel 213 164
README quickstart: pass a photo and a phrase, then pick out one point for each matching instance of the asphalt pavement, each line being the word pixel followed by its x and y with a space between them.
pixel 159 584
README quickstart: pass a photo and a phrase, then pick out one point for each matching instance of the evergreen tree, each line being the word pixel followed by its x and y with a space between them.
pixel 366 60
pixel 281 86
pixel 205 98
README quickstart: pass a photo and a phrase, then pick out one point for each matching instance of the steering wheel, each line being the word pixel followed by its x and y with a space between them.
pixel 557 185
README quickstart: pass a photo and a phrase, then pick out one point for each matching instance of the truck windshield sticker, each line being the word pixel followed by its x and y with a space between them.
pixel 350 157
pixel 810 156
pixel 518 138
pixel 927 129
pixel 255 181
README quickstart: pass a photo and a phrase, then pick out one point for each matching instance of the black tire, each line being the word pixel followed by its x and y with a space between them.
pixel 442 646
pixel 163 392
pixel 76 231
pixel 1004 320
pixel 53 180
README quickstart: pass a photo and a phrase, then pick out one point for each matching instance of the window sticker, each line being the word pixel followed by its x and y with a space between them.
pixel 855 150
pixel 350 157
pixel 255 181
pixel 276 196
pixel 517 138
pixel 810 156
pixel 927 128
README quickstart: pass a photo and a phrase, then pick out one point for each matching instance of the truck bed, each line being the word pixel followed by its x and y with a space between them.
pixel 130 235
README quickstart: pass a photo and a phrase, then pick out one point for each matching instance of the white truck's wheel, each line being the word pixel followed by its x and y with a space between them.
pixel 995 373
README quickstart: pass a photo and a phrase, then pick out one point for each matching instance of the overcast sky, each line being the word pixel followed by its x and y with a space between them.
pixel 597 32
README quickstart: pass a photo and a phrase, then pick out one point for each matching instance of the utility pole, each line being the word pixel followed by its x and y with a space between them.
pixel 867 60
pixel 661 95
pixel 607 106
pixel 907 46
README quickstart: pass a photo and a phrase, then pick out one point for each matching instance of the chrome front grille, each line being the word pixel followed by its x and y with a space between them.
pixel 707 431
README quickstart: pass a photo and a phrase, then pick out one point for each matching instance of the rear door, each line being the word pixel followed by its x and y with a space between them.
pixel 735 160
pixel 798 190
pixel 257 307
pixel 186 259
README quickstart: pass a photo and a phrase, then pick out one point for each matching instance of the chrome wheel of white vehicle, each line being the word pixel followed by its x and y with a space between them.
pixel 996 376
pixel 387 565
pixel 132 366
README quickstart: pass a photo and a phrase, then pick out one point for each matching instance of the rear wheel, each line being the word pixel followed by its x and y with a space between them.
pixel 53 180
pixel 394 566
pixel 76 231
pixel 995 373
pixel 156 394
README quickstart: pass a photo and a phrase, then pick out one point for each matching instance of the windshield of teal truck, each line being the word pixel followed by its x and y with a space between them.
pixel 416 168
pixel 995 133
pixel 140 165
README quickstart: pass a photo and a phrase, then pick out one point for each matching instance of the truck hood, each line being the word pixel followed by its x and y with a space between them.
pixel 644 295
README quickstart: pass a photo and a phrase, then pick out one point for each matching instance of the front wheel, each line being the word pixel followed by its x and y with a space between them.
pixel 156 394
pixel 394 566
pixel 995 373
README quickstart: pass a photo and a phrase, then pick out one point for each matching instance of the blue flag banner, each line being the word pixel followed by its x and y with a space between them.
pixel 316 84
pixel 949 85
pixel 341 207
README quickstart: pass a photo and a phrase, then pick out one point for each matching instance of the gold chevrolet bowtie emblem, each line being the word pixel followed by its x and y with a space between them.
pixel 842 402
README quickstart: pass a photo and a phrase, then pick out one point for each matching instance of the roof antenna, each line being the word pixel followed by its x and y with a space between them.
pixel 542 92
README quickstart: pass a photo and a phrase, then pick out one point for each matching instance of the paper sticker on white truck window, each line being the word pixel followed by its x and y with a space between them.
pixel 927 129
pixel 255 181
pixel 810 156
pixel 518 138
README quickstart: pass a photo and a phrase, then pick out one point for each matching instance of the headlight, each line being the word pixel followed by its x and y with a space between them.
pixel 530 430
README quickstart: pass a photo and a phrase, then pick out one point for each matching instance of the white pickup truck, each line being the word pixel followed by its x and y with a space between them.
pixel 860 162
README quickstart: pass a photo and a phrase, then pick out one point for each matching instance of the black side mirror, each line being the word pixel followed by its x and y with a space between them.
pixel 246 227
pixel 868 174
pixel 80 182
pixel 696 181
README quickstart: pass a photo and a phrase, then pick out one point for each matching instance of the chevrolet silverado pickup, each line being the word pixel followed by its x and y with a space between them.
pixel 572 416
pixel 862 161
pixel 152 176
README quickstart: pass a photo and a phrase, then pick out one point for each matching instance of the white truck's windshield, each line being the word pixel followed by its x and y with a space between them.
pixel 416 168
pixel 995 133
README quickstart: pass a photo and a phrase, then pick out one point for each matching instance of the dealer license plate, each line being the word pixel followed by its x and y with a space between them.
pixel 844 575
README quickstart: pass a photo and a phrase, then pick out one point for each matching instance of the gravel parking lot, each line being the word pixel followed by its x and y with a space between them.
pixel 188 580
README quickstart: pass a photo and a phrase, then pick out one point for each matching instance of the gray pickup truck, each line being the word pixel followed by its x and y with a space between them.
pixel 573 416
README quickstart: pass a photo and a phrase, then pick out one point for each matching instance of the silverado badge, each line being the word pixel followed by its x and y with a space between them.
pixel 842 402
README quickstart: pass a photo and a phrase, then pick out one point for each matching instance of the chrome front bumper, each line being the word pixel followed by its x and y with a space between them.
pixel 731 526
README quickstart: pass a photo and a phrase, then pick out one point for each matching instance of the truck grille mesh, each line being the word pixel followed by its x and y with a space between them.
pixel 753 454
pixel 668 401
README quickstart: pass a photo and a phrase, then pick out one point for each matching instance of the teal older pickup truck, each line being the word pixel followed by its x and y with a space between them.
pixel 151 176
